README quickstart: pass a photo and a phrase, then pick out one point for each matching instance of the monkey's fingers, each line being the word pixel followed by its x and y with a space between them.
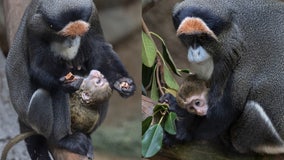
pixel 73 85
pixel 167 98
pixel 125 87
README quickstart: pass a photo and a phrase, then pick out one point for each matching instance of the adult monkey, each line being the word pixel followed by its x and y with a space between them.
pixel 54 38
pixel 238 47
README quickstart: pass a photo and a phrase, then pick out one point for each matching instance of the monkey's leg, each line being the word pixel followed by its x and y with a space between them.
pixel 254 131
pixel 49 115
pixel 36 144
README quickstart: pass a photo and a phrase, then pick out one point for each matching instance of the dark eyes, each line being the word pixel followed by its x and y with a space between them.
pixel 197 103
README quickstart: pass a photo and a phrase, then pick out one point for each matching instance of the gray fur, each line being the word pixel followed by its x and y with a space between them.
pixel 52 10
pixel 21 89
pixel 52 119
pixel 259 73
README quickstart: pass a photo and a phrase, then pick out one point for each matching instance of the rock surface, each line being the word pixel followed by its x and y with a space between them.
pixel 8 119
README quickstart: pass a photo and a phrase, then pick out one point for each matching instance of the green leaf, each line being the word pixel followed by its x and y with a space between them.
pixel 168 58
pixel 169 79
pixel 152 141
pixel 166 55
pixel 171 91
pixel 146 124
pixel 154 88
pixel 160 107
pixel 148 50
pixel 170 125
pixel 158 112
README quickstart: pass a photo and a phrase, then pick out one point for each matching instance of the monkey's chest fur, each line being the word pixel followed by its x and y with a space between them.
pixel 85 115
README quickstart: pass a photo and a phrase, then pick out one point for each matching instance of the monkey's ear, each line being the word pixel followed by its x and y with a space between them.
pixel 193 26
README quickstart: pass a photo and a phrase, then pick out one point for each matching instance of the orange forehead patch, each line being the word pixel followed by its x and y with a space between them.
pixel 77 28
pixel 193 25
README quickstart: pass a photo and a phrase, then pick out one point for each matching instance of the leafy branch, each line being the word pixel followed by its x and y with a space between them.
pixel 158 69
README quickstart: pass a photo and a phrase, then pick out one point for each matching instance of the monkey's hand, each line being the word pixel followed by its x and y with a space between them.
pixel 182 123
pixel 173 106
pixel 125 87
pixel 71 85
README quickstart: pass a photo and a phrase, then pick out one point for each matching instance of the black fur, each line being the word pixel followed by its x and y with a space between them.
pixel 221 112
pixel 246 87
pixel 44 108
pixel 220 116
pixel 183 122
pixel 57 23
pixel 46 69
pixel 77 143
pixel 36 144
pixel 215 23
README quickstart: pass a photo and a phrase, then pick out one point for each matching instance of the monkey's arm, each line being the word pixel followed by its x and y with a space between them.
pixel 220 115
pixel 42 78
pixel 46 76
pixel 183 122
pixel 107 62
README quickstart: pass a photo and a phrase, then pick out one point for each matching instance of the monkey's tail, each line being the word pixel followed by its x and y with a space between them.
pixel 14 141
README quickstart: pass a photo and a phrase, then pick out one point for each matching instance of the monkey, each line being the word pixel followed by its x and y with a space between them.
pixel 230 45
pixel 192 95
pixel 53 39
pixel 85 105
pixel 86 102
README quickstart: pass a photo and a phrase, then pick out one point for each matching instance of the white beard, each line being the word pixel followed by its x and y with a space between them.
pixel 67 49
pixel 203 70
pixel 200 63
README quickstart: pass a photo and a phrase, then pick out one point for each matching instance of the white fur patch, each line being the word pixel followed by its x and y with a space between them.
pixel 203 70
pixel 33 96
pixel 200 62
pixel 50 156
pixel 67 49
pixel 269 149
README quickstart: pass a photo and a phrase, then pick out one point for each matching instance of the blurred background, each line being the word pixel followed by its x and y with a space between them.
pixel 157 15
pixel 118 138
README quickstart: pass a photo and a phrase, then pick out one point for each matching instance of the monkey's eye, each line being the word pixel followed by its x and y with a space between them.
pixel 197 103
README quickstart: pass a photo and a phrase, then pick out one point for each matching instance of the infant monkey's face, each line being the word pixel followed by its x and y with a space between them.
pixel 95 88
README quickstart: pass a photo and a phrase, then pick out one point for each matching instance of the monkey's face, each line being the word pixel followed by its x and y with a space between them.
pixel 62 24
pixel 197 31
pixel 194 34
pixel 95 88
pixel 196 104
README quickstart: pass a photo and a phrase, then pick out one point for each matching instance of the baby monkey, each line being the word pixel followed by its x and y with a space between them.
pixel 88 101
pixel 192 95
